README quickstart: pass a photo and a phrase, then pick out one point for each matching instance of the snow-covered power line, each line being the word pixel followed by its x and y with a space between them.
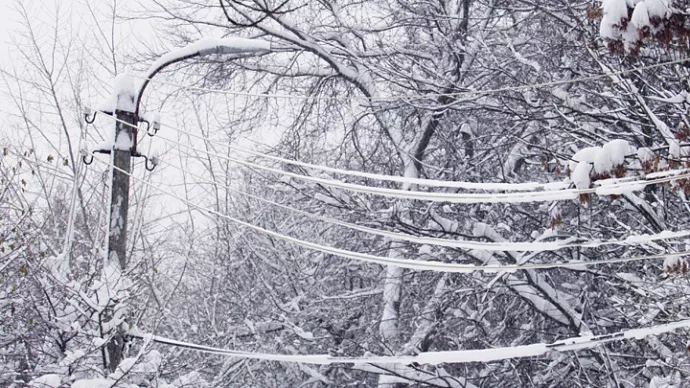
pixel 614 188
pixel 422 96
pixel 484 186
pixel 434 358
pixel 420 265
pixel 538 246
pixel 498 186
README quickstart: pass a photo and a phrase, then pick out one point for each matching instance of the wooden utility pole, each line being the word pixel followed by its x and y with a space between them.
pixel 122 152
pixel 119 196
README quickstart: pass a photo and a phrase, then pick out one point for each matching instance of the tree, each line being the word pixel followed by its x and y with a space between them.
pixel 344 50
pixel 453 109
pixel 53 210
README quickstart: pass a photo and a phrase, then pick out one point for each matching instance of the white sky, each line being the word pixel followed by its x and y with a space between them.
pixel 5 9
pixel 5 20
pixel 96 85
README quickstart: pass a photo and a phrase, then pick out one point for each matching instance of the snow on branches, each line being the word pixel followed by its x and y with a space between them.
pixel 600 166
pixel 627 24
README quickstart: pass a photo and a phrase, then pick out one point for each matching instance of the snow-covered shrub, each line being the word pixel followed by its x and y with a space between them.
pixel 629 24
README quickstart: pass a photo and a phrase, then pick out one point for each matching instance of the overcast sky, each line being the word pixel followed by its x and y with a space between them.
pixel 4 21
pixel 5 10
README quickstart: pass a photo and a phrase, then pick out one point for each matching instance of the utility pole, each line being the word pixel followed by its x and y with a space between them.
pixel 119 197
pixel 127 100
pixel 119 208
pixel 124 107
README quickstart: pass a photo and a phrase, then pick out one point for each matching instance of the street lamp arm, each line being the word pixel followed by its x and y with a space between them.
pixel 152 72
pixel 202 48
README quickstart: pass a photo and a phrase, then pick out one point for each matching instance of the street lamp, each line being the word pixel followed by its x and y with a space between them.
pixel 124 103
pixel 201 48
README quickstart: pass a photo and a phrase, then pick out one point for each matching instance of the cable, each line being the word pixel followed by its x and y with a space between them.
pixel 466 198
pixel 391 178
pixel 420 265
pixel 434 358
pixel 69 234
pixel 462 244
pixel 416 181
pixel 419 96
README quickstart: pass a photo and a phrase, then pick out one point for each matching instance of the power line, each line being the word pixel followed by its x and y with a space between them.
pixel 462 244
pixel 466 198
pixel 434 358
pixel 391 178
pixel 420 96
pixel 416 181
pixel 420 265
pixel 69 234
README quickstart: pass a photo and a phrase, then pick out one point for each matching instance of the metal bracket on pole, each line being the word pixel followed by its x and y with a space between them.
pixel 150 162
pixel 151 130
pixel 152 126
pixel 87 157
pixel 90 114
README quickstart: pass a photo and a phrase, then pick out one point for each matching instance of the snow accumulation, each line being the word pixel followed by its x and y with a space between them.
pixel 410 172
pixel 408 181
pixel 587 154
pixel 640 16
pixel 138 367
pixel 645 154
pixel 580 176
pixel 192 379
pixel 617 149
pixel 674 263
pixel 397 262
pixel 94 383
pixel 628 188
pixel 125 89
pixel 604 158
pixel 616 14
pixel 46 381
pixel 124 141
pixel 667 173
pixel 435 358
pixel 596 162
pixel 603 162
pixel 660 8
pixel 614 11
pixel 673 149
pixel 210 46
pixel 71 357
pixel 122 97
pixel 420 265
